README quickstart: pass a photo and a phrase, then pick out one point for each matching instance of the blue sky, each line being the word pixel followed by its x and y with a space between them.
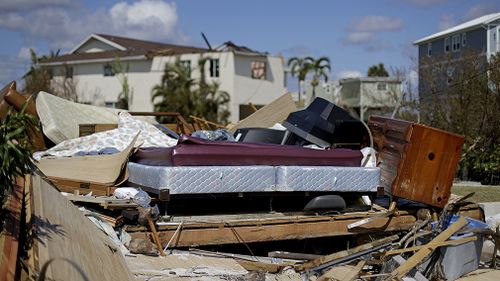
pixel 353 34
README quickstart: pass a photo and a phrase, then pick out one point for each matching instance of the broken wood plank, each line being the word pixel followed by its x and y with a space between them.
pixel 155 235
pixel 345 253
pixel 417 258
pixel 390 212
pixel 273 113
pixel 258 232
pixel 437 245
pixel 293 256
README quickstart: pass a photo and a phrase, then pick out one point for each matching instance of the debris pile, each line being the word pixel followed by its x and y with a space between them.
pixel 314 194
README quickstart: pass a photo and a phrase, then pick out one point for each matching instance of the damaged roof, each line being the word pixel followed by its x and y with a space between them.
pixel 122 47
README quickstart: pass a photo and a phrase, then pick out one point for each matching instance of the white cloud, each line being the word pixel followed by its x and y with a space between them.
pixel 146 18
pixel 63 27
pixel 348 74
pixel 24 53
pixel 366 31
pixel 359 37
pixel 480 10
pixel 376 23
pixel 446 21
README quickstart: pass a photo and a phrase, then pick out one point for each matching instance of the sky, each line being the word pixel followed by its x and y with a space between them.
pixel 354 34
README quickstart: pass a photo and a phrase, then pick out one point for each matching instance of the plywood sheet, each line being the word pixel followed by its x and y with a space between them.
pixel 63 232
pixel 266 117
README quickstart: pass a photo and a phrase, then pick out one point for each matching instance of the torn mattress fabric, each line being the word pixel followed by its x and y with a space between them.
pixel 112 140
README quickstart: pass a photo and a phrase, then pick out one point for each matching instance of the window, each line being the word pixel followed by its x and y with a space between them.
pixel 429 49
pixel 187 65
pixel 68 72
pixel 447 44
pixel 382 86
pixel 455 43
pixel 110 104
pixel 258 70
pixel 214 68
pixel 108 70
pixel 464 39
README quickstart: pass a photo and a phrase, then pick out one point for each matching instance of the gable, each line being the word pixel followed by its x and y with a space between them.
pixel 93 46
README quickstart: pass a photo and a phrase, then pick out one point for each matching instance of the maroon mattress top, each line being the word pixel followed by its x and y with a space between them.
pixel 191 151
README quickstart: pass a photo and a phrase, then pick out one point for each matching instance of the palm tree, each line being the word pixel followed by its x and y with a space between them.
pixel 319 68
pixel 174 93
pixel 180 93
pixel 213 105
pixel 299 67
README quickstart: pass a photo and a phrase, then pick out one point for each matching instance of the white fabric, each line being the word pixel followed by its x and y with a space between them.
pixel 119 138
pixel 60 118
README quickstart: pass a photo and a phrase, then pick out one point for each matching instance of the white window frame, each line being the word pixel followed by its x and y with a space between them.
pixel 108 70
pixel 187 64
pixel 258 70
pixel 214 68
pixel 429 49
pixel 381 86
pixel 464 39
pixel 455 43
pixel 447 44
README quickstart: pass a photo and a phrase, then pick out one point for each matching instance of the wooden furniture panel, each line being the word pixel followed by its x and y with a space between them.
pixel 417 162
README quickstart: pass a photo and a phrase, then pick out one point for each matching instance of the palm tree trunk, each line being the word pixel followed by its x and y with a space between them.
pixel 299 90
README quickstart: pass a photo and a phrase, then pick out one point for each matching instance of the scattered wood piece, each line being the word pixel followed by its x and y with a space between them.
pixel 273 113
pixel 343 273
pixel 293 256
pixel 413 231
pixel 342 255
pixel 113 221
pixel 445 243
pixel 417 258
pixel 105 202
pixel 155 235
pixel 390 212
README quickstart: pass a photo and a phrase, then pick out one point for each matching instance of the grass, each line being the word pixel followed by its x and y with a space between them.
pixel 488 193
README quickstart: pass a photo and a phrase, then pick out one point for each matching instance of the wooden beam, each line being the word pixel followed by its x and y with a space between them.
pixel 232 234
pixel 417 258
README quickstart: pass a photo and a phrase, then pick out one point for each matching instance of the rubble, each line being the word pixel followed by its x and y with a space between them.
pixel 250 217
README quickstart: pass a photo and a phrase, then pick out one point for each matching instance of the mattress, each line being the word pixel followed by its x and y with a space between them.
pixel 192 151
pixel 230 179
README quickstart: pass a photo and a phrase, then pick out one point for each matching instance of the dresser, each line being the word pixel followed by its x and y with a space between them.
pixel 417 162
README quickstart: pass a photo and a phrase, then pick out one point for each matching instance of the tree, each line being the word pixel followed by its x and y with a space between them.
pixel 377 71
pixel 37 79
pixel 463 96
pixel 15 148
pixel 320 69
pixel 179 92
pixel 126 94
pixel 214 102
pixel 299 67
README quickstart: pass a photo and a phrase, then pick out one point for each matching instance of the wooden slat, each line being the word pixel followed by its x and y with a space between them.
pixel 9 238
pixel 230 234
pixel 417 258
